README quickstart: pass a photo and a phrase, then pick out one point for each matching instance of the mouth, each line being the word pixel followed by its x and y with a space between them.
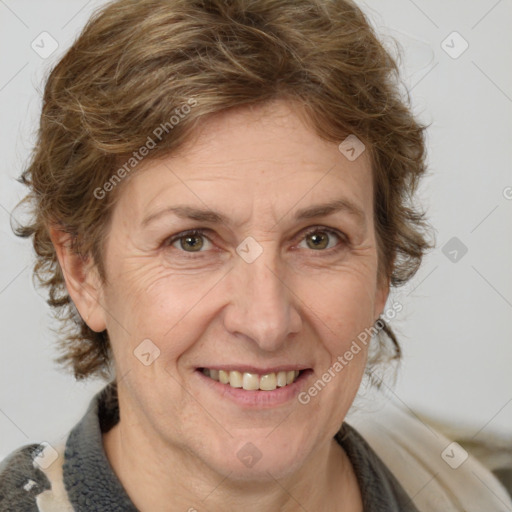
pixel 252 380
pixel 252 388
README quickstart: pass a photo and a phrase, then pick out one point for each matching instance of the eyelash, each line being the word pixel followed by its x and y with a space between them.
pixel 315 229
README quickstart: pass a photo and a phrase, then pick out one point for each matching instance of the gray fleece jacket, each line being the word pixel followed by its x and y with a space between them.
pixel 75 475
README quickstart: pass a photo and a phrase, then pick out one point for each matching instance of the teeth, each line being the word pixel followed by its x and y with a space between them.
pixel 250 381
pixel 253 381
pixel 281 379
pixel 268 382
pixel 235 379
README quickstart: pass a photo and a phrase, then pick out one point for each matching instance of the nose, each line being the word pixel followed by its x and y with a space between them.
pixel 262 305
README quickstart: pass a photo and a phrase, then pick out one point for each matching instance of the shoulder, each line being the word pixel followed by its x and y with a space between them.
pixel 31 479
pixel 437 473
pixel 21 481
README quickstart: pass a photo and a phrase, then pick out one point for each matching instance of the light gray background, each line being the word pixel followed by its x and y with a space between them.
pixel 455 328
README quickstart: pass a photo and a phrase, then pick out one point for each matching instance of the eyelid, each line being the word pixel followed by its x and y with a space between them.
pixel 326 229
pixel 344 240
pixel 169 241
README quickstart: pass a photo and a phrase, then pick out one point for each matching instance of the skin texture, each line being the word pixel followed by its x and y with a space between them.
pixel 177 442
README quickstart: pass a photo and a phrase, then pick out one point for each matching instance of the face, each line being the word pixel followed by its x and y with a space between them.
pixel 271 287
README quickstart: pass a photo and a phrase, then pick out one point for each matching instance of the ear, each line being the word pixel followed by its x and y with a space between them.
pixel 82 280
pixel 381 296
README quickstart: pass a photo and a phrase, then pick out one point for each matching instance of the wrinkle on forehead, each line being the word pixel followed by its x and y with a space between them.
pixel 249 163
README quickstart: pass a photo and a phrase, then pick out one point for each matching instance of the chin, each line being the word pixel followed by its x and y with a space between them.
pixel 259 460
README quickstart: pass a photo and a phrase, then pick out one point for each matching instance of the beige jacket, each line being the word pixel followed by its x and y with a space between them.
pixel 438 474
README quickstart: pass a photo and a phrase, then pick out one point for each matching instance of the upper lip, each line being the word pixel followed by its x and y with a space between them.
pixel 244 368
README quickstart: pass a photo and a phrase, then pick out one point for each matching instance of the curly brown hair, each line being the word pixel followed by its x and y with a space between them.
pixel 134 67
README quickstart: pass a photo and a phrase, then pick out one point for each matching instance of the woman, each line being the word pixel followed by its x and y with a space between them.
pixel 220 195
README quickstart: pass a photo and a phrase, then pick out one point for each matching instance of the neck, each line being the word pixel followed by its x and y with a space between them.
pixel 323 483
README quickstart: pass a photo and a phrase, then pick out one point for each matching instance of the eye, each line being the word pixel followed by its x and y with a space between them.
pixel 193 240
pixel 320 238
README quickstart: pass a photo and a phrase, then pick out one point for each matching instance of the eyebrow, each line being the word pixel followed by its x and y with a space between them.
pixel 212 217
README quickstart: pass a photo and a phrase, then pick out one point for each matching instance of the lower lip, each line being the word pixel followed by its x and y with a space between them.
pixel 257 398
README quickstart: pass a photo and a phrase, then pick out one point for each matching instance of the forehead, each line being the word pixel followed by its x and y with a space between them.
pixel 252 158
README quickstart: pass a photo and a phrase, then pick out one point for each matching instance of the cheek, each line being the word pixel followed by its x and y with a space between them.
pixel 173 309
pixel 343 307
pixel 151 302
pixel 343 314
